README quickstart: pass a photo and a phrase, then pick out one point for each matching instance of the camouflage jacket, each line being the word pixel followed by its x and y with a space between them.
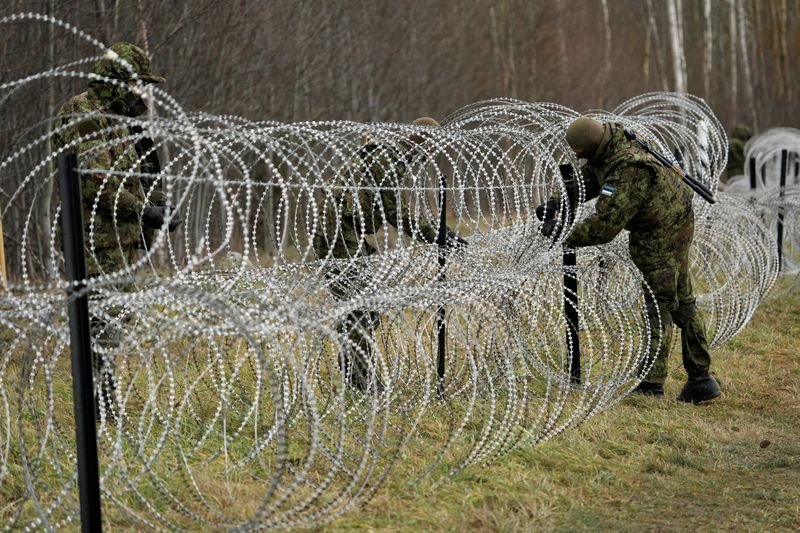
pixel 635 193
pixel 102 144
pixel 365 194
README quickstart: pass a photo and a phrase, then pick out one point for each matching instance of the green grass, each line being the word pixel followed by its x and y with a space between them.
pixel 645 465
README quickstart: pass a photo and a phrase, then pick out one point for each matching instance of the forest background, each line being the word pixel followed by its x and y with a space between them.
pixel 382 60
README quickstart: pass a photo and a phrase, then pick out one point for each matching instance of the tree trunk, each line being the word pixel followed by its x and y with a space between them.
pixel 748 80
pixel 734 84
pixel 708 43
pixel 607 54
pixel 675 13
pixel 47 187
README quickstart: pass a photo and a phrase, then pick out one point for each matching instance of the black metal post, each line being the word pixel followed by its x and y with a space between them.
pixel 751 162
pixel 571 313
pixel 82 382
pixel 569 262
pixel 441 241
pixel 782 193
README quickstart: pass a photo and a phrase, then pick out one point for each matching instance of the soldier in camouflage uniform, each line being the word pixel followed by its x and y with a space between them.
pixel 114 205
pixel 739 137
pixel 635 192
pixel 366 193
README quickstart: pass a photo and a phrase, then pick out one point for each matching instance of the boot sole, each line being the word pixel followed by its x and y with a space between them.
pixel 694 401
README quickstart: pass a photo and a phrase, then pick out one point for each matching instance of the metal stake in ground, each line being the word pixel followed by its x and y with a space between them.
pixel 441 241
pixel 82 382
pixel 782 193
pixel 569 260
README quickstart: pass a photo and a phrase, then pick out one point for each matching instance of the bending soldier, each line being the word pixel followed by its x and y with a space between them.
pixel 115 206
pixel 366 195
pixel 635 192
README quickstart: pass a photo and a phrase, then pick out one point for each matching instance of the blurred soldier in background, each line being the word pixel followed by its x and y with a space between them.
pixel 368 189
pixel 637 193
pixel 116 207
pixel 739 137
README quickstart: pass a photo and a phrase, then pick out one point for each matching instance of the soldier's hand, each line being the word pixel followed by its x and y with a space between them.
pixel 549 227
pixel 547 210
pixel 175 217
pixel 153 216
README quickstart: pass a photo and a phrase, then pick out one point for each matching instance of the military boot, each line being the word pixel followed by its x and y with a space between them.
pixel 699 389
pixel 649 389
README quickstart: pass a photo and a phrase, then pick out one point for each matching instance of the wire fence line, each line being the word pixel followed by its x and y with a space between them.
pixel 223 346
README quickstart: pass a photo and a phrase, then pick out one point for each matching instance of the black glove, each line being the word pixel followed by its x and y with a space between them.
pixel 175 217
pixel 548 210
pixel 550 225
pixel 153 216
pixel 454 242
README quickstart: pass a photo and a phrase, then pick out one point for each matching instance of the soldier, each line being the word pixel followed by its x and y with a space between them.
pixel 637 193
pixel 739 137
pixel 366 195
pixel 123 218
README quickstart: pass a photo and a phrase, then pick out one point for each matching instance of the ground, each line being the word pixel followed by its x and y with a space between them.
pixel 644 465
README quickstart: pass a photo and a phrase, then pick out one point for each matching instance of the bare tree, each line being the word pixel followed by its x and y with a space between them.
pixel 675 14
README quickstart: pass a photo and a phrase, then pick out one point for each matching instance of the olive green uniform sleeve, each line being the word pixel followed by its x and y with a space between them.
pixel 628 193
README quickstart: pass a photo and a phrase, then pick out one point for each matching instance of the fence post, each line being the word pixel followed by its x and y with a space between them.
pixel 782 193
pixel 751 163
pixel 82 381
pixel 569 262
pixel 441 241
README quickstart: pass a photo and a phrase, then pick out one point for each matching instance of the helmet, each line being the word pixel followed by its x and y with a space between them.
pixel 110 66
pixel 422 121
pixel 584 135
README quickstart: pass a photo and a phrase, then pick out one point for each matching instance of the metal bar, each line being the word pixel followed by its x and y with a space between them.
pixel 441 241
pixel 569 260
pixel 784 168
pixel 751 162
pixel 571 313
pixel 82 382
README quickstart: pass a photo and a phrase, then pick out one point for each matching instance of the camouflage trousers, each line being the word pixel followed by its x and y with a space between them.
pixel 664 263
pixel 357 329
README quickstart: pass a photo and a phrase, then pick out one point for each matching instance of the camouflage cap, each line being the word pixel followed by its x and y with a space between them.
pixel 584 136
pixel 109 65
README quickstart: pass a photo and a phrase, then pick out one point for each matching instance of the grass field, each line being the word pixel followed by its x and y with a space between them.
pixel 645 465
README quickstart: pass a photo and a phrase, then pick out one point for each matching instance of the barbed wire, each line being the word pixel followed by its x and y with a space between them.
pixel 267 364
pixel 770 155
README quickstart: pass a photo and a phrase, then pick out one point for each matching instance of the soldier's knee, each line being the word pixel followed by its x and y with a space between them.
pixel 684 314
